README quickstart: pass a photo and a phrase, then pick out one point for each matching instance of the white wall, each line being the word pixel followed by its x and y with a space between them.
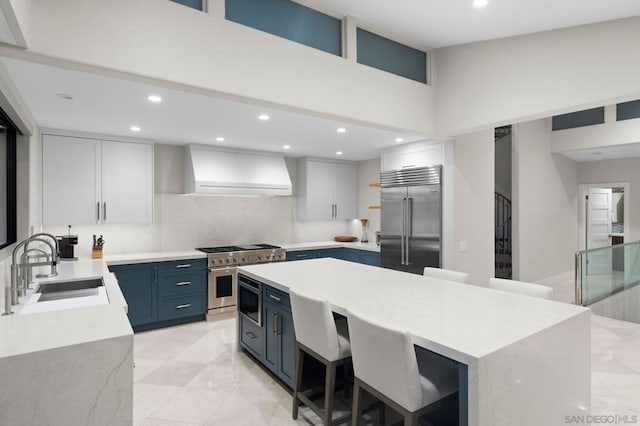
pixel 178 46
pixel 614 171
pixel 183 222
pixel 545 194
pixel 610 133
pixel 474 189
pixel 534 76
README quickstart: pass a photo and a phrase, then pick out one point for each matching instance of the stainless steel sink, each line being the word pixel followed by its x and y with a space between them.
pixel 69 289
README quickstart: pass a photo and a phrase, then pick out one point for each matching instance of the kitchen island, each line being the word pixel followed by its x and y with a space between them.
pixel 522 361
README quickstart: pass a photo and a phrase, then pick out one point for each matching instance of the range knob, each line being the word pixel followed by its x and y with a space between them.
pixel 227 259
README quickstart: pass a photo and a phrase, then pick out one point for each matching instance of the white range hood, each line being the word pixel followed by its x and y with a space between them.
pixel 215 171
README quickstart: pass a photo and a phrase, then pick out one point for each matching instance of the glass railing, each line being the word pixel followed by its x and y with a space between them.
pixel 605 271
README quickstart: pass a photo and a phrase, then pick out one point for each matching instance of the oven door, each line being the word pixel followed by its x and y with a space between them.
pixel 250 300
pixel 222 284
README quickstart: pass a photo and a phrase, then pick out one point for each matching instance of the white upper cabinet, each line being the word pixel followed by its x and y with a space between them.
pixel 89 181
pixel 326 189
pixel 127 182
pixel 419 154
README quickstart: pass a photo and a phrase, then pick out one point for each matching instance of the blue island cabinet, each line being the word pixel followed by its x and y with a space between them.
pixel 279 337
pixel 162 294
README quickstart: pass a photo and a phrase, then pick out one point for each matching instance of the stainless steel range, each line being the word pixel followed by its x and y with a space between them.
pixel 222 262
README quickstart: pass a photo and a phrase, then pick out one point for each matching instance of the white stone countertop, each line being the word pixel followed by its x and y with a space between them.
pixel 371 246
pixel 157 256
pixel 461 321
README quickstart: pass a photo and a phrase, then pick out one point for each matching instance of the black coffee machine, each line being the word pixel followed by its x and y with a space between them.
pixel 66 244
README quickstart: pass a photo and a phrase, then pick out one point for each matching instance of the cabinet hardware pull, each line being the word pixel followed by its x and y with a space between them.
pixel 336 215
pixel 98 211
pixel 186 265
pixel 181 283
pixel 274 297
pixel 104 215
pixel 274 323
pixel 186 305
pixel 302 255
pixel 155 274
pixel 250 334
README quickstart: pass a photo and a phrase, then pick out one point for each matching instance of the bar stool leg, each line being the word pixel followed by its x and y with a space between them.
pixel 355 410
pixel 330 384
pixel 411 419
pixel 298 380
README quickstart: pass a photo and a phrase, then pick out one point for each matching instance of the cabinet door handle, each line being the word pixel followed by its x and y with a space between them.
pixel 186 305
pixel 302 255
pixel 276 298
pixel 181 283
pixel 250 334
pixel 155 274
pixel 98 211
pixel 274 323
pixel 336 211
pixel 186 265
pixel 104 213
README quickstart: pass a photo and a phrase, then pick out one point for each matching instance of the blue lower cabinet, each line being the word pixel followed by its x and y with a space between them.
pixel 251 336
pixel 270 319
pixel 336 253
pixel 286 348
pixel 137 283
pixel 181 306
pixel 159 294
pixel 302 254
pixel 362 256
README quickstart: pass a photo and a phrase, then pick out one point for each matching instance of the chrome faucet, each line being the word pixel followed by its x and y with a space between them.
pixel 21 271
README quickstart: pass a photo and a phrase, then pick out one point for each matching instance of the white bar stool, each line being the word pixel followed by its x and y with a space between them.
pixel 386 366
pixel 521 287
pixel 318 336
pixel 446 274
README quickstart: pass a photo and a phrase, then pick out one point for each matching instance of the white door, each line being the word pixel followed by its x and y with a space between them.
pixel 319 190
pixel 599 206
pixel 127 182
pixel 70 180
pixel 345 197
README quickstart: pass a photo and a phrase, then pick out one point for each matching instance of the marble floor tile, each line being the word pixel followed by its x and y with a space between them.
pixel 192 375
pixel 191 406
pixel 173 373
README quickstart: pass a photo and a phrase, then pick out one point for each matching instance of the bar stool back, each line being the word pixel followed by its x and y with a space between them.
pixel 521 287
pixel 446 274
pixel 318 336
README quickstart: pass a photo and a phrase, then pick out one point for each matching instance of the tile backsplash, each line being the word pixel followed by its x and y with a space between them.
pixel 183 222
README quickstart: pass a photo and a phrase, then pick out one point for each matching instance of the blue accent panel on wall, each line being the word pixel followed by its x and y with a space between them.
pixel 628 110
pixel 289 20
pixel 587 117
pixel 388 55
pixel 196 4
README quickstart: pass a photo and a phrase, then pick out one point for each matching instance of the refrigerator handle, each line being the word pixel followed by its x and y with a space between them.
pixel 404 230
pixel 409 230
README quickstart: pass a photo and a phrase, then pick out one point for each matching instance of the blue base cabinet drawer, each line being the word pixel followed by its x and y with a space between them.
pixel 271 295
pixel 251 336
pixel 181 266
pixel 182 283
pixel 302 254
pixel 181 306
pixel 336 253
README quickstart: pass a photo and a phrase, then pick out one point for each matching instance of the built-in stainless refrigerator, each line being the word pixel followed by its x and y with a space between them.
pixel 411 216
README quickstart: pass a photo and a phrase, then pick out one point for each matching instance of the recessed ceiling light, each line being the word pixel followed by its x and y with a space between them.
pixel 286 146
pixel 263 117
pixel 220 139
pixel 154 98
pixel 65 96
pixel 398 140
pixel 480 3
pixel 338 152
pixel 341 130
pixel 135 128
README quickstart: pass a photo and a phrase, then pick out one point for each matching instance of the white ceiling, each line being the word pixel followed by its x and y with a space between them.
pixel 111 106
pixel 605 153
pixel 438 23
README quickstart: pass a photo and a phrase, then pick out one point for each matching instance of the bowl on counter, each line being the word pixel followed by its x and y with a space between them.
pixel 345 238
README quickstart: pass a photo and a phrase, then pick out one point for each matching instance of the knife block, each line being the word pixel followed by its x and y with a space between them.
pixel 96 254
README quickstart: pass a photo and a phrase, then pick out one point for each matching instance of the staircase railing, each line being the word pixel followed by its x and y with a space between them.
pixel 503 240
pixel 604 271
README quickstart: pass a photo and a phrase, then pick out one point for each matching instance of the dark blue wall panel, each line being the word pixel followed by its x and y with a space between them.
pixel 628 110
pixel 196 4
pixel 587 117
pixel 289 20
pixel 388 55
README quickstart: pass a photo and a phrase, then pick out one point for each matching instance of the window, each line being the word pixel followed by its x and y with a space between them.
pixel 288 20
pixel 196 4
pixel 388 55
pixel 628 110
pixel 7 181
pixel 587 117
